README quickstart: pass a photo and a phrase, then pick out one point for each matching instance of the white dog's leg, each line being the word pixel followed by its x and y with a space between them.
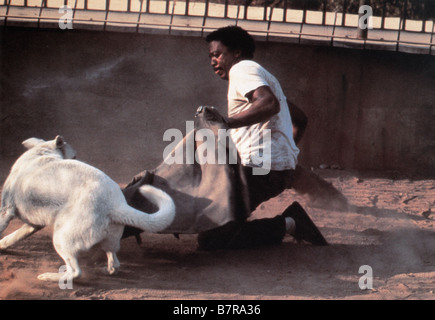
pixel 111 245
pixel 25 231
pixel 6 215
pixel 112 263
pixel 63 245
pixel 72 271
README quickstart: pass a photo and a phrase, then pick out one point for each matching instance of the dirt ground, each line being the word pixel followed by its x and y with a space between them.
pixel 388 226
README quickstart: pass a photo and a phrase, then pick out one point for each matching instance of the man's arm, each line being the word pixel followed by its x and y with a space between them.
pixel 264 106
pixel 299 119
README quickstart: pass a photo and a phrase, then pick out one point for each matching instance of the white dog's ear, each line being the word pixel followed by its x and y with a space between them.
pixel 30 143
pixel 59 141
pixel 67 151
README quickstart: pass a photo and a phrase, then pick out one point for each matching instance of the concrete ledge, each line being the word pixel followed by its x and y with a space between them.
pixel 154 23
pixel 258 29
pixel 89 20
pixel 49 18
pixel 212 23
pixel 187 25
pixel 26 17
pixel 122 21
pixel 419 40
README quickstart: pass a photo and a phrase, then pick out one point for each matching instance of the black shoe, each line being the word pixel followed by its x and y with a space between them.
pixel 305 227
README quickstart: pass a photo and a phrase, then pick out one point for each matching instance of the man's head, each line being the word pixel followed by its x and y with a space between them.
pixel 227 46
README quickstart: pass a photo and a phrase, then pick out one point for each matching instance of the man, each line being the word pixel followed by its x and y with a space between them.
pixel 256 106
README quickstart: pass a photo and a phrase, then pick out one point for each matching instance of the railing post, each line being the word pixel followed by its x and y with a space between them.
pixel 186 8
pixel 284 16
pixel 324 12
pixel 207 7
pixel 167 6
pixel 384 13
pixel 404 14
pixel 343 15
pixel 265 11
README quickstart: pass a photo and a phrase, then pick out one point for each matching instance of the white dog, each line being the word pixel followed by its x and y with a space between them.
pixel 46 186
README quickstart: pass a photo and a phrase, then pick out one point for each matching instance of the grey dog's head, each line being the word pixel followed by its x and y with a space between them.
pixel 58 145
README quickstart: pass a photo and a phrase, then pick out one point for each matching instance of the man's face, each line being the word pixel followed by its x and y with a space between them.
pixel 222 59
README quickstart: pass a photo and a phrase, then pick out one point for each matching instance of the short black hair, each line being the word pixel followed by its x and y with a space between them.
pixel 234 38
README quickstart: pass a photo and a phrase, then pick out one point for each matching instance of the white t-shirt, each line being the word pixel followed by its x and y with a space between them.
pixel 252 141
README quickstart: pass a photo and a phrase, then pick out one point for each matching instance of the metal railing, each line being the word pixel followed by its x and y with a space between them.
pixel 411 21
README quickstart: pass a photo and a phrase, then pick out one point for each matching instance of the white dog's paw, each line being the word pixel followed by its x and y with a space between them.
pixel 110 271
pixel 3 246
pixel 50 276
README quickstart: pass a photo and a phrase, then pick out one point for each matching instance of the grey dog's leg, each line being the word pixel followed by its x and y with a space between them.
pixel 6 215
pixel 25 231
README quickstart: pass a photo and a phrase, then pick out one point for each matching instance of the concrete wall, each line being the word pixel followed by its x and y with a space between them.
pixel 113 95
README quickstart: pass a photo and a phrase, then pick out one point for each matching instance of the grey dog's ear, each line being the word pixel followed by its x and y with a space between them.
pixel 59 141
pixel 30 143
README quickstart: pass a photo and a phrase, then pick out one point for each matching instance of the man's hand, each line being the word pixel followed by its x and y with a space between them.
pixel 212 114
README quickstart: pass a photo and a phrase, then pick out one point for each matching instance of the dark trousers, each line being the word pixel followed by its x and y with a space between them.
pixel 259 232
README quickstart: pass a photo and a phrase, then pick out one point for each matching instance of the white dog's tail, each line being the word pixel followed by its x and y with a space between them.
pixel 154 222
